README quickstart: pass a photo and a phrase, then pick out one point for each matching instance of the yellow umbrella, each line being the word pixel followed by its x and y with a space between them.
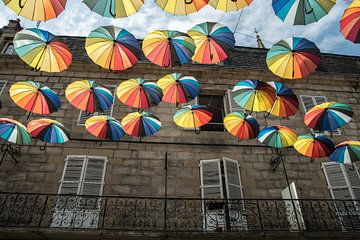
pixel 181 7
pixel 229 5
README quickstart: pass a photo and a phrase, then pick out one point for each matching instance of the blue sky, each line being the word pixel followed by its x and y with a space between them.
pixel 78 20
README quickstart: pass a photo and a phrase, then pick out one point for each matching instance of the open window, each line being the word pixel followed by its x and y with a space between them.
pixel 8 48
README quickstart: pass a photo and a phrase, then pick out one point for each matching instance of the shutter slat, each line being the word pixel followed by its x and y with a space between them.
pixel 232 177
pixel 354 179
pixel 211 185
pixel 336 180
pixel 93 176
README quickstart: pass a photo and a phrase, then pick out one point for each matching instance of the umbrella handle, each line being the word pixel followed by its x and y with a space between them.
pixel 20 4
pixel 197 131
pixel 4 146
pixel 42 148
pixel 111 13
pixel 188 1
pixel 267 115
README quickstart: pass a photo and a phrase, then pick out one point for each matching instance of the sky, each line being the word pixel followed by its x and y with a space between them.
pixel 78 20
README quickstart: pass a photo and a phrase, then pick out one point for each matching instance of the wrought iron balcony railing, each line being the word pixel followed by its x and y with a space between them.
pixel 191 215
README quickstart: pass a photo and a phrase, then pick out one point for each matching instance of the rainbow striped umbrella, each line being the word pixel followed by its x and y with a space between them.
pixel 168 48
pixel 105 127
pixel 181 7
pixel 37 10
pixel 254 95
pixel 350 22
pixel 314 146
pixel 178 88
pixel 89 96
pixel 114 8
pixel 328 116
pixel 277 136
pixel 346 152
pixel 138 94
pixel 213 42
pixel 293 58
pixel 229 5
pixel 192 116
pixel 241 125
pixel 112 48
pixel 14 132
pixel 141 124
pixel 286 103
pixel 302 12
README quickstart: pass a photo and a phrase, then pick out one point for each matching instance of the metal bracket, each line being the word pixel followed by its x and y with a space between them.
pixel 275 161
pixel 14 152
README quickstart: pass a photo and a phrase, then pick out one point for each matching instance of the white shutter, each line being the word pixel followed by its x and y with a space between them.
pixel 337 181
pixel 232 177
pixel 2 86
pixel 94 176
pixel 210 177
pixel 230 104
pixel 72 175
pixel 354 179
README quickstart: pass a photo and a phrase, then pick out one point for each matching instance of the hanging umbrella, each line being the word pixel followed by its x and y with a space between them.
pixel 114 8
pixel 38 49
pixel 302 12
pixel 229 5
pixel 346 152
pixel 34 97
pixel 139 94
pixel 350 22
pixel 293 58
pixel 277 136
pixel 37 10
pixel 254 95
pixel 314 146
pixel 105 127
pixel 168 48
pixel 181 7
pixel 112 48
pixel 141 124
pixel 14 132
pixel 241 125
pixel 89 96
pixel 213 42
pixel 178 88
pixel 286 103
pixel 192 117
pixel 328 116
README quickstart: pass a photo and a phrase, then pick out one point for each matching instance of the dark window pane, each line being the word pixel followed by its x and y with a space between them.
pixel 215 104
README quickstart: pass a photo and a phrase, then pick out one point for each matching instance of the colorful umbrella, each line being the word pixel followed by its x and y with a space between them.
pixel 213 42
pixel 241 125
pixel 114 8
pixel 277 136
pixel 139 94
pixel 328 116
pixel 38 49
pixel 192 117
pixel 14 132
pixel 105 127
pixel 34 97
pixel 302 12
pixel 178 88
pixel 346 152
pixel 181 7
pixel 254 95
pixel 314 146
pixel 350 22
pixel 229 5
pixel 89 96
pixel 141 124
pixel 112 48
pixel 168 48
pixel 37 10
pixel 286 103
pixel 293 58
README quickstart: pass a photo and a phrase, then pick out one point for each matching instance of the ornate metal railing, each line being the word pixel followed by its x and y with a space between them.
pixel 159 214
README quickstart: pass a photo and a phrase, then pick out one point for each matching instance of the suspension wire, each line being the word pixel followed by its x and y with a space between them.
pixel 238 21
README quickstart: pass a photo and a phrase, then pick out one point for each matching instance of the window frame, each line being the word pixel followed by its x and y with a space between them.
pixel 2 89
pixel 5 48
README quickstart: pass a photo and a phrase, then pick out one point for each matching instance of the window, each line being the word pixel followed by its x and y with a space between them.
pixel 215 103
pixel 2 86
pixel 309 102
pixel 231 105
pixel 9 49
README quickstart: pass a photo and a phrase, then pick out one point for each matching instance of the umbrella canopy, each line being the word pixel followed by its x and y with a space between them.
pixel 141 124
pixel 168 48
pixel 328 116
pixel 112 48
pixel 229 5
pixel 105 127
pixel 114 8
pixel 38 49
pixel 286 103
pixel 346 152
pixel 89 96
pixel 14 132
pixel 48 130
pixel 192 116
pixel 181 7
pixel 277 136
pixel 37 10
pixel 302 12
pixel 241 125
pixel 350 22
pixel 314 146
pixel 254 95
pixel 34 97
pixel 178 88
pixel 139 94
pixel 293 58
pixel 213 42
